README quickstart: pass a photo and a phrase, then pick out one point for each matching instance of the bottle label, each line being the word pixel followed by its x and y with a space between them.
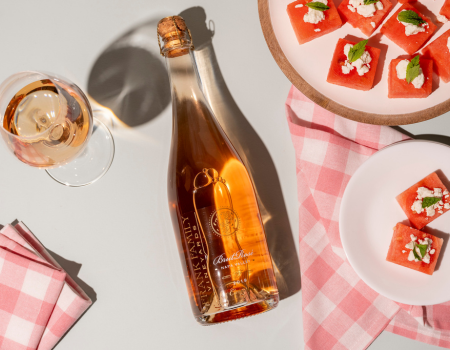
pixel 218 222
pixel 227 261
pixel 215 239
pixel 224 221
pixel 197 258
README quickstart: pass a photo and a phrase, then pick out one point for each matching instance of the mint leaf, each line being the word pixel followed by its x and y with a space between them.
pixel 409 16
pixel 413 70
pixel 318 6
pixel 415 253
pixel 368 2
pixel 429 201
pixel 412 73
pixel 415 61
pixel 423 249
pixel 356 51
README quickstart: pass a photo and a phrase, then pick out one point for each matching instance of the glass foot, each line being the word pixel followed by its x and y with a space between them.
pixel 92 164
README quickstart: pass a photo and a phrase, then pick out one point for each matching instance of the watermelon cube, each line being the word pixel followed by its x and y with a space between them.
pixel 399 88
pixel 405 1
pixel 414 198
pixel 439 53
pixel 395 31
pixel 306 31
pixel 366 24
pixel 445 9
pixel 352 80
pixel 405 239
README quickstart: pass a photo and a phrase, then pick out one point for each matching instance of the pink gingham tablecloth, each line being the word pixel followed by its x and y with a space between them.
pixel 39 302
pixel 339 310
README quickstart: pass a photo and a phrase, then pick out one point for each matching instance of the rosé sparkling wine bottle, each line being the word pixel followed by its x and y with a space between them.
pixel 214 210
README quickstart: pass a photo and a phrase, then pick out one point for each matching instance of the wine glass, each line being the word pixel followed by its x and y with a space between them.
pixel 47 122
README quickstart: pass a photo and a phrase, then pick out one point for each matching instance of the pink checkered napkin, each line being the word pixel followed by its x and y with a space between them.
pixel 29 290
pixel 72 301
pixel 339 310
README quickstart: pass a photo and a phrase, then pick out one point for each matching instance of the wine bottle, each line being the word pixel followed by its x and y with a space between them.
pixel 215 214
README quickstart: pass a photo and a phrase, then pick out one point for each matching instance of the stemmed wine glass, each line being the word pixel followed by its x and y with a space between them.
pixel 47 122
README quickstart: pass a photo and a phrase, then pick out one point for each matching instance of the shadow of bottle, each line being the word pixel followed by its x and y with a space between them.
pixel 252 151
pixel 130 78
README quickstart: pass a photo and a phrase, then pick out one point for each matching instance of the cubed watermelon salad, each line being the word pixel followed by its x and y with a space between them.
pixel 353 71
pixel 414 249
pixel 439 52
pixel 408 28
pixel 403 84
pixel 366 18
pixel 312 19
pixel 425 201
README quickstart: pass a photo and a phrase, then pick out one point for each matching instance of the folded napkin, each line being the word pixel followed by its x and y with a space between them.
pixel 339 310
pixel 39 302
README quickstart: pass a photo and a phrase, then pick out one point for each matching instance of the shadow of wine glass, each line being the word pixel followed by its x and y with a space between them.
pixel 130 78
pixel 252 151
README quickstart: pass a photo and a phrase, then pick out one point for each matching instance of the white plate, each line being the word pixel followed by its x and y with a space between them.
pixel 369 211
pixel 312 61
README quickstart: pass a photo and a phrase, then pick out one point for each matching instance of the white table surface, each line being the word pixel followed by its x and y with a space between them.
pixel 118 232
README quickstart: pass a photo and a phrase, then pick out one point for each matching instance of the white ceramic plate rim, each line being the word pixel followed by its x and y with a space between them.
pixel 345 238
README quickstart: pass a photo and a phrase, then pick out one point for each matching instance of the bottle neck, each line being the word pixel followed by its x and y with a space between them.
pixel 184 80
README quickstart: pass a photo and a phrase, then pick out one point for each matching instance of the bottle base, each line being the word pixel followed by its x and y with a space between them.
pixel 248 310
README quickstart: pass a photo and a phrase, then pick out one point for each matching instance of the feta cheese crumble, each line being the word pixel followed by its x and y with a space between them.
pixel 423 192
pixel 314 16
pixel 442 18
pixel 417 82
pixel 412 29
pixel 411 256
pixel 417 207
pixel 364 10
pixel 414 248
pixel 361 64
pixel 430 210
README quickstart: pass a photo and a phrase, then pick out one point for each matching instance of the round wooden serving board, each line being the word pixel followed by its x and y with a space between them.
pixel 417 110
